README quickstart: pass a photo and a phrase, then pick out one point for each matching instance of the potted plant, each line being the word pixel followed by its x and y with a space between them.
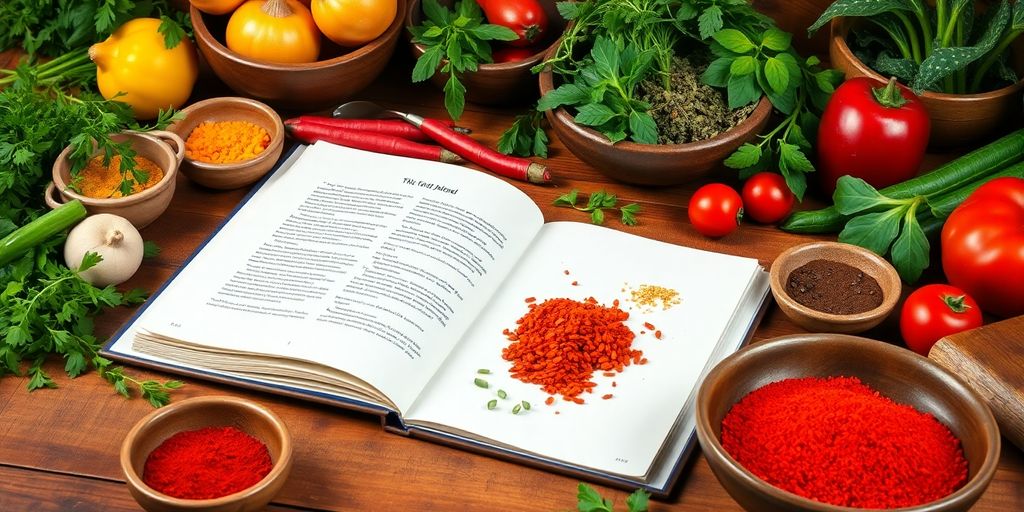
pixel 963 58
pixel 629 80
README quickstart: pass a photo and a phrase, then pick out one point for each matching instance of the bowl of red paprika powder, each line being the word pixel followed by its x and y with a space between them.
pixel 209 454
pixel 830 423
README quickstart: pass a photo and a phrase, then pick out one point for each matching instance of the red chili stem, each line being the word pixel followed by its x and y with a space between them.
pixel 502 165
pixel 370 141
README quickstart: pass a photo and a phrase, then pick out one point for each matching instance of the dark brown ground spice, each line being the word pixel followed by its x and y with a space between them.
pixel 689 110
pixel 833 287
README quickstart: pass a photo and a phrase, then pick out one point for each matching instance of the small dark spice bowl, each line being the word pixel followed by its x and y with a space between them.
pixel 867 266
pixel 900 375
pixel 198 413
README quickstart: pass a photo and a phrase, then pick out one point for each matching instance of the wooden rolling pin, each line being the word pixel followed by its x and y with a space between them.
pixel 990 359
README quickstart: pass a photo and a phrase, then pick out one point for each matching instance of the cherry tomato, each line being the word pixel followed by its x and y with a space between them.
pixel 766 197
pixel 983 246
pixel 525 17
pixel 872 131
pixel 935 311
pixel 715 210
pixel 510 54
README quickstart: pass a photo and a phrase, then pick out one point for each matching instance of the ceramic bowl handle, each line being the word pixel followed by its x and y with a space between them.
pixel 172 139
pixel 53 200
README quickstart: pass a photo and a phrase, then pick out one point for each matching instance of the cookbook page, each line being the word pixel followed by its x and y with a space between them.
pixel 371 264
pixel 624 421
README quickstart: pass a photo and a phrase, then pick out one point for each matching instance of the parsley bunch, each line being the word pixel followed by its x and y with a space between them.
pixel 459 39
pixel 597 203
pixel 588 500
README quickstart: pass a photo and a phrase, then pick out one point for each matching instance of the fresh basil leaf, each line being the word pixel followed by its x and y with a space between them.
pixel 427 64
pixel 777 75
pixel 744 65
pixel 454 97
pixel 742 90
pixel 854 195
pixel 565 94
pixel 873 231
pixel 910 252
pixel 492 32
pixel 717 74
pixel 643 128
pixel 435 12
pixel 606 57
pixel 594 114
pixel 745 156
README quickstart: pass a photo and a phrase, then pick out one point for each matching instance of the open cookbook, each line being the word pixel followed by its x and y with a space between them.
pixel 384 284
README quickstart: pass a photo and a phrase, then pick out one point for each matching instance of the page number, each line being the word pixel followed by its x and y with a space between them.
pixel 175 324
pixel 620 459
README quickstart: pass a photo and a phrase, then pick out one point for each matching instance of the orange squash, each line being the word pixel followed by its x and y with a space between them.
pixel 353 22
pixel 279 31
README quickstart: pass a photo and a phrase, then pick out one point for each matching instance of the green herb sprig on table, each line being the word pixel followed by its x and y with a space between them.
pixel 949 47
pixel 597 203
pixel 526 136
pixel 459 39
pixel 589 500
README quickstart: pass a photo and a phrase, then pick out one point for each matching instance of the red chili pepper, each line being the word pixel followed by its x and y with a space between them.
pixel 503 165
pixel 369 141
pixel 393 127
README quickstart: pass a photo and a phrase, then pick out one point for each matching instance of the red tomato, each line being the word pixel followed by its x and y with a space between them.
pixel 934 311
pixel 715 210
pixel 766 197
pixel 510 54
pixel 983 246
pixel 871 131
pixel 525 17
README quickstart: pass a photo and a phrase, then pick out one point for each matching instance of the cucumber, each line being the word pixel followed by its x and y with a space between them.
pixel 944 204
pixel 946 178
pixel 25 238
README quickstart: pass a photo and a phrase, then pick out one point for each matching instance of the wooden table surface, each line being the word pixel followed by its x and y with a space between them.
pixel 59 447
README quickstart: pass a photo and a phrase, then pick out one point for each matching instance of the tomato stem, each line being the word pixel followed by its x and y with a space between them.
pixel 955 304
pixel 890 95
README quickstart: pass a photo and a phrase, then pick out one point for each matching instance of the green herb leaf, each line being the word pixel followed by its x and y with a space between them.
pixel 150 249
pixel 436 13
pixel 745 156
pixel 454 97
pixel 568 199
pixel 910 252
pixel 733 40
pixel 744 65
pixel 710 21
pixel 427 64
pixel 565 94
pixel 776 39
pixel 854 195
pixel 743 90
pixel 597 216
pixel 643 128
pixel 588 500
pixel 594 114
pixel 777 74
pixel 717 74
pixel 793 164
pixel 493 32
pixel 629 213
pixel 638 501
pixel 873 231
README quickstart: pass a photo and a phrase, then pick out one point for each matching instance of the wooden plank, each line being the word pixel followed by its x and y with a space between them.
pixel 39 491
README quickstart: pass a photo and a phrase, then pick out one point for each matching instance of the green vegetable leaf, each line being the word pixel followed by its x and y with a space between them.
pixel 89 260
pixel 525 137
pixel 945 61
pixel 744 65
pixel 745 156
pixel 493 32
pixel 910 252
pixel 565 94
pixel 852 8
pixel 710 21
pixel 717 74
pixel 454 97
pixel 777 74
pixel 568 10
pixel 568 199
pixel 776 39
pixel 38 378
pixel 733 40
pixel 427 64
pixel 629 213
pixel 597 216
pixel 172 32
pixel 873 231
pixel 436 13
pixel 793 164
pixel 150 249
pixel 638 501
pixel 590 501
pixel 594 114
pixel 742 90
pixel 854 195
pixel 643 128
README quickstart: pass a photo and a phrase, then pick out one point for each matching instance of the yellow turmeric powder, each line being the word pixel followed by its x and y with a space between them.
pixel 104 181
pixel 225 142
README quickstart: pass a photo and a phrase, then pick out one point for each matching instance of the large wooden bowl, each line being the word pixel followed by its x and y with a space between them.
pixel 201 412
pixel 501 83
pixel 651 164
pixel 957 119
pixel 897 373
pixel 338 75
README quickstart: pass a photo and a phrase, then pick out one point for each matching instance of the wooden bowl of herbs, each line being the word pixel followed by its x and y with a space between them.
pixel 834 287
pixel 99 185
pixel 770 415
pixel 230 142
pixel 664 163
pixel 209 454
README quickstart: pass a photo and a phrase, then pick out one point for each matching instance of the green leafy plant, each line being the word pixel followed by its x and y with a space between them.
pixel 597 203
pixel 604 93
pixel 526 136
pixel 950 47
pixel 589 500
pixel 457 41
pixel 752 59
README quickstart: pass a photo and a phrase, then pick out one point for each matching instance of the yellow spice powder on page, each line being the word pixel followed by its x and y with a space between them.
pixel 225 142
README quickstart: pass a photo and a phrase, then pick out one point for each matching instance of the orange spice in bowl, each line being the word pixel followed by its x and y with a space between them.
pixel 103 181
pixel 225 142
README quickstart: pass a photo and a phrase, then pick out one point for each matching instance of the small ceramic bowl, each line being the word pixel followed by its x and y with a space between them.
pixel 498 83
pixel 238 174
pixel 816 321
pixel 897 373
pixel 165 149
pixel 339 74
pixel 651 164
pixel 201 412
